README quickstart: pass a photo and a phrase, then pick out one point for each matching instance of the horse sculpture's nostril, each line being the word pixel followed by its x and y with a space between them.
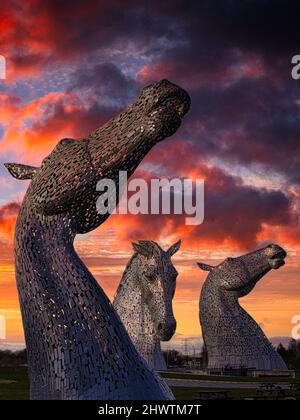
pixel 166 329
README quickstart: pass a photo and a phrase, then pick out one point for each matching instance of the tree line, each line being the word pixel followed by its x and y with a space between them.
pixel 291 356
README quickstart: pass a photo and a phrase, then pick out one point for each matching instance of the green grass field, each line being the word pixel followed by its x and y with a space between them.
pixel 14 385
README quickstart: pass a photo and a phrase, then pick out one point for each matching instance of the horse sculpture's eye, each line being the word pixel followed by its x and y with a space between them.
pixel 66 141
pixel 150 277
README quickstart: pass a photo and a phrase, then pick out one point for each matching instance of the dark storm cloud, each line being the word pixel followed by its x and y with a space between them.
pixel 236 64
pixel 107 81
pixel 10 209
pixel 264 27
pixel 84 119
pixel 234 213
pixel 251 121
pixel 65 29
pixel 210 30
pixel 234 59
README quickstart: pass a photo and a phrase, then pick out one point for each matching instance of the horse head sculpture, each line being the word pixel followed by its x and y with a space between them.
pixel 144 299
pixel 232 338
pixel 77 347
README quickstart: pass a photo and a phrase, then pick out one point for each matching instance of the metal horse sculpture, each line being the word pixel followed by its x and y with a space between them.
pixel 77 346
pixel 144 300
pixel 232 338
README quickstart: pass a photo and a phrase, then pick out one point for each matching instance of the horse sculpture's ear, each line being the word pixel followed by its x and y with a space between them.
pixel 205 267
pixel 20 171
pixel 144 248
pixel 174 248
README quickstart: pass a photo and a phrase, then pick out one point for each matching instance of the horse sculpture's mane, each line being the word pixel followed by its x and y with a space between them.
pixel 77 346
pixel 144 300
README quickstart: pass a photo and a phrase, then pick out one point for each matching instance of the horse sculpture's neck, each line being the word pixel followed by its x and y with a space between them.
pixel 134 312
pixel 78 348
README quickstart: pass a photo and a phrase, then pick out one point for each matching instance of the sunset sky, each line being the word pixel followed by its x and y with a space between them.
pixel 71 65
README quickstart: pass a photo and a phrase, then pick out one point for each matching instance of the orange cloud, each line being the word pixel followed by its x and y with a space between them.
pixel 30 47
pixel 33 129
pixel 8 216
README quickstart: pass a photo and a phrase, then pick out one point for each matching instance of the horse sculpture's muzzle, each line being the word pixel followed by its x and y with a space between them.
pixel 165 331
pixel 276 256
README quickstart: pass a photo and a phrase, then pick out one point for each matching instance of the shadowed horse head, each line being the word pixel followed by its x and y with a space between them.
pixel 232 337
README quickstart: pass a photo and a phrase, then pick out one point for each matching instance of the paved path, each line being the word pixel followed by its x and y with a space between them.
pixel 6 381
pixel 196 383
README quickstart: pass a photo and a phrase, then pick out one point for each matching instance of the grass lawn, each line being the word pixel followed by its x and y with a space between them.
pixel 14 385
